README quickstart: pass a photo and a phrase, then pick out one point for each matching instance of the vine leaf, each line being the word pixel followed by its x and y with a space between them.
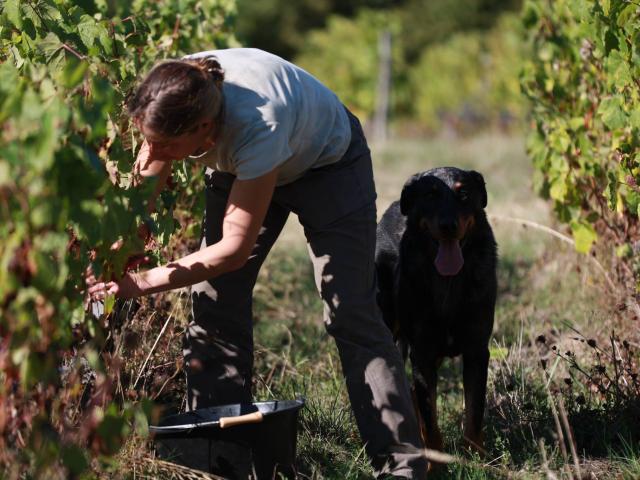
pixel 618 72
pixel 612 113
pixel 14 13
pixel 88 30
pixel 634 118
pixel 49 45
pixel 73 72
pixel 627 14
pixel 584 235
pixel 109 303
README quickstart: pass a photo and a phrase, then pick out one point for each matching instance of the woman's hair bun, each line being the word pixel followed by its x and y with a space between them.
pixel 176 94
pixel 211 67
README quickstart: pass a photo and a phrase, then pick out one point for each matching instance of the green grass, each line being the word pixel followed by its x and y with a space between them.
pixel 544 289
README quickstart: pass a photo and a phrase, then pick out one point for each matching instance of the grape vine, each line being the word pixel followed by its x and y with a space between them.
pixel 66 156
pixel 583 83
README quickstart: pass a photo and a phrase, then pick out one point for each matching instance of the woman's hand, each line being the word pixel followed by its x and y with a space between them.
pixel 126 287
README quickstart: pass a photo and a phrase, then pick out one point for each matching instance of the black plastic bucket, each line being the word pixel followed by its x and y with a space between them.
pixel 239 441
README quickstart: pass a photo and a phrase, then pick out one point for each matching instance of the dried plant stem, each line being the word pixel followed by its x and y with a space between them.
pixel 155 468
pixel 285 355
pixel 175 374
pixel 572 443
pixel 155 344
pixel 556 421
pixel 545 462
pixel 554 412
pixel 560 236
pixel 437 456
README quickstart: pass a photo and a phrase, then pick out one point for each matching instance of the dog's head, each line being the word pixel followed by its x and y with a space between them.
pixel 442 204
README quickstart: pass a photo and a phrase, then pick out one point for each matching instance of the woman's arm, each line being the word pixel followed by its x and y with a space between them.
pixel 246 208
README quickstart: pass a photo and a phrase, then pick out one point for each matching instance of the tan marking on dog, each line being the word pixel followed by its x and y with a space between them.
pixel 465 223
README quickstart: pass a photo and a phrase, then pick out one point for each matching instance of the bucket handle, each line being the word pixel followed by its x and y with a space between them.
pixel 255 417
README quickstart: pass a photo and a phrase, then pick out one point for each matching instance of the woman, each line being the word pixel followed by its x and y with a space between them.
pixel 275 140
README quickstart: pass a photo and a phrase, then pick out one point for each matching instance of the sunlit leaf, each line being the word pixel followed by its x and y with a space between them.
pixel 109 303
pixel 618 72
pixel 498 353
pixel 612 112
pixel 88 30
pixel 634 118
pixel 624 251
pixel 13 11
pixel 627 14
pixel 558 189
pixel 584 235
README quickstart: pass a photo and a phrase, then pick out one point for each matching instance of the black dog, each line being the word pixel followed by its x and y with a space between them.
pixel 436 262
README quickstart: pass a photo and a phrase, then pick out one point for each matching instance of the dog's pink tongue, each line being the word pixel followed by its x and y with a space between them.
pixel 449 260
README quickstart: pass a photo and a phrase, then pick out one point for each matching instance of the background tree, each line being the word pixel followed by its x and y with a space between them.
pixel 280 26
pixel 426 22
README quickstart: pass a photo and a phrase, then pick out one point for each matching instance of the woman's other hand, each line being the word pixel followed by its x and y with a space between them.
pixel 151 164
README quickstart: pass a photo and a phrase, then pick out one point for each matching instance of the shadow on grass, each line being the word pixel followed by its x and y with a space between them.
pixel 329 440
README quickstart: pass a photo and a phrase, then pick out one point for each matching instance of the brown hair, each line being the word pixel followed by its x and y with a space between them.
pixel 176 94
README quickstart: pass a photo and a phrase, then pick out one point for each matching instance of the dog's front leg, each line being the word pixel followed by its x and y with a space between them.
pixel 425 380
pixel 475 365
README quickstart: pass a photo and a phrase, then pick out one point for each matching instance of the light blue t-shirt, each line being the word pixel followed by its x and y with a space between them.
pixel 276 115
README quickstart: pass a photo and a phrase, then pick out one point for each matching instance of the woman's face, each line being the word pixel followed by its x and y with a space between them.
pixel 193 142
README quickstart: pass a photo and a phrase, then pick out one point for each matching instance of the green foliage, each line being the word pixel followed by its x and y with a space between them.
pixel 344 57
pixel 585 98
pixel 281 26
pixel 425 22
pixel 472 77
pixel 431 22
pixel 473 45
pixel 66 70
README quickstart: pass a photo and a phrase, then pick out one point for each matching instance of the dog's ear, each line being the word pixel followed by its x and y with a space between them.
pixel 409 192
pixel 478 179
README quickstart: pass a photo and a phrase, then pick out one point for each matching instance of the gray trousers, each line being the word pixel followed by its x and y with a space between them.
pixel 336 206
